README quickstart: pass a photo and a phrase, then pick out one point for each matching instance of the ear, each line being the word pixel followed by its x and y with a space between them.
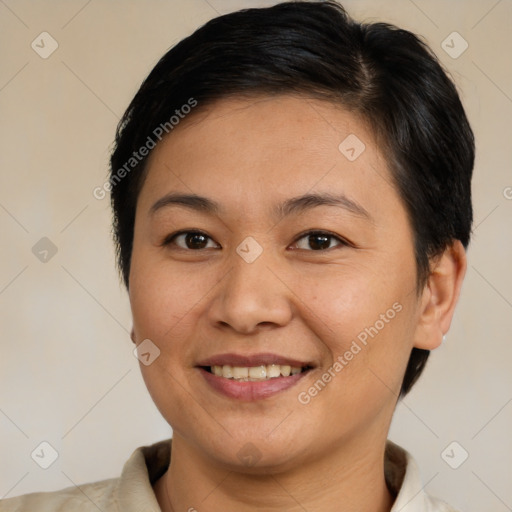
pixel 440 296
pixel 132 336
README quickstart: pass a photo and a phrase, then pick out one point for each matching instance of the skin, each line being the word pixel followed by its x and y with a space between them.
pixel 250 155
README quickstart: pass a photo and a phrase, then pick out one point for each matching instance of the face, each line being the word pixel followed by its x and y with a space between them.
pixel 266 239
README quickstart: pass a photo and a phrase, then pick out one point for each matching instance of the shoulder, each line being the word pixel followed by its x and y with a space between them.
pixel 131 492
pixel 85 498
pixel 436 505
pixel 404 480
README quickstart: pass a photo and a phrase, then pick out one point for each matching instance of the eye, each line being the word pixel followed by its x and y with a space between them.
pixel 191 240
pixel 319 241
pixel 197 240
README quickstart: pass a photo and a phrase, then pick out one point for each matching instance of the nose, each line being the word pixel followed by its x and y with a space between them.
pixel 250 298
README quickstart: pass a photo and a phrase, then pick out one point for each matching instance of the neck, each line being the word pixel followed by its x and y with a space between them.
pixel 348 478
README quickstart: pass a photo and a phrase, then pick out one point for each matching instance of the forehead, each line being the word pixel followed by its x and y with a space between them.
pixel 253 149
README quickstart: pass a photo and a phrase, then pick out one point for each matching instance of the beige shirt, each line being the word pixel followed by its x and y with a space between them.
pixel 133 492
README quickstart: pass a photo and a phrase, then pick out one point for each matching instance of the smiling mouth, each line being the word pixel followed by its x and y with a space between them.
pixel 255 373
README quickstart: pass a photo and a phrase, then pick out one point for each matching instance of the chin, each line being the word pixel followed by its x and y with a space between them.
pixel 257 454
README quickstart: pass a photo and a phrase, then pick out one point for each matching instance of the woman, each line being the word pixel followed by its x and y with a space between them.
pixel 292 203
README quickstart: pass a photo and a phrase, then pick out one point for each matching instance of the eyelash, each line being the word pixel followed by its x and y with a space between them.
pixel 170 239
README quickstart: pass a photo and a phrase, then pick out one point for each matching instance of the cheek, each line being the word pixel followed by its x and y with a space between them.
pixel 163 303
pixel 347 299
pixel 163 297
pixel 362 321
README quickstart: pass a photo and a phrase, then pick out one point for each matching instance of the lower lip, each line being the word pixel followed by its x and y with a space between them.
pixel 250 390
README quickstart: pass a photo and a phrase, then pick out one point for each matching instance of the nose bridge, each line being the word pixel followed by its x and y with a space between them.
pixel 251 296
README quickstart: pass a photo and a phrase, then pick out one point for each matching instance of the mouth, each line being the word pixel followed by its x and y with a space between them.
pixel 252 377
pixel 255 373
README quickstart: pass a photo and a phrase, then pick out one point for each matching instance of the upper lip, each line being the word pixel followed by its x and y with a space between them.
pixel 246 360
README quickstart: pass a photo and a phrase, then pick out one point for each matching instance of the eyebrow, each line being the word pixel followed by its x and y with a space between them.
pixel 296 205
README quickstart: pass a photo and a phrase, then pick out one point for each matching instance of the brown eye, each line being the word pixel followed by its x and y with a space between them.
pixel 319 241
pixel 193 240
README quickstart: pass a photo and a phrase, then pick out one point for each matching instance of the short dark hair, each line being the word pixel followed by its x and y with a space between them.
pixel 385 74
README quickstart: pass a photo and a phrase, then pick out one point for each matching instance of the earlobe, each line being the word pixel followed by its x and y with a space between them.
pixel 132 336
pixel 440 297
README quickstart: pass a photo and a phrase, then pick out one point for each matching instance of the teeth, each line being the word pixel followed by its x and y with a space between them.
pixel 239 372
pixel 258 372
pixel 226 371
pixel 285 370
pixel 273 370
pixel 255 373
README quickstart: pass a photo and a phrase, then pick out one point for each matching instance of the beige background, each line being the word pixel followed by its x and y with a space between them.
pixel 68 375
